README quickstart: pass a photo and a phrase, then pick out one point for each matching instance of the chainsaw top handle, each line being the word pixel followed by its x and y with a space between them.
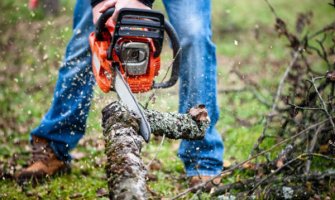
pixel 100 27
pixel 154 24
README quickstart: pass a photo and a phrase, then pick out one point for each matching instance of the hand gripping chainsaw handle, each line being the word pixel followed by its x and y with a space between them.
pixel 151 20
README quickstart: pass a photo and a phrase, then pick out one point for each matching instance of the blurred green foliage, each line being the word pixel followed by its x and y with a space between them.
pixel 31 49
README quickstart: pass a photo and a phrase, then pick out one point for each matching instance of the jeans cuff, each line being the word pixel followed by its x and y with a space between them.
pixel 193 172
pixel 61 155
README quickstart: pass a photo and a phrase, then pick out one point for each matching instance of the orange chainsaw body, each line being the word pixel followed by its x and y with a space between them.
pixel 102 67
pixel 132 45
pixel 125 55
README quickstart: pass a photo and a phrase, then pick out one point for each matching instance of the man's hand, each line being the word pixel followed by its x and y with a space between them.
pixel 118 4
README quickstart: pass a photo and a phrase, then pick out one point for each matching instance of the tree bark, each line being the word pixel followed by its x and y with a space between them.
pixel 190 126
pixel 125 169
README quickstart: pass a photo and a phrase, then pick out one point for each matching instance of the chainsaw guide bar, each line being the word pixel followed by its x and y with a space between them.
pixel 126 96
pixel 126 56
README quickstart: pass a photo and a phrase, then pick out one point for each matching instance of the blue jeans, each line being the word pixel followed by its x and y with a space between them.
pixel 65 122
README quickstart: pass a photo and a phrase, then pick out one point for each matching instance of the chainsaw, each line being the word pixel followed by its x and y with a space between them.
pixel 126 56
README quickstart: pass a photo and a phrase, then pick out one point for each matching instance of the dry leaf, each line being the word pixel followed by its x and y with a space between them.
pixel 249 165
pixel 155 165
pixel 280 162
pixel 102 192
pixel 227 164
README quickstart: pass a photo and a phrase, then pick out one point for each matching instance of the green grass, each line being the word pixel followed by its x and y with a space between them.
pixel 31 49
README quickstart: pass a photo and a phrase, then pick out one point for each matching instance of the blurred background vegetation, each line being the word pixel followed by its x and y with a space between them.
pixel 32 46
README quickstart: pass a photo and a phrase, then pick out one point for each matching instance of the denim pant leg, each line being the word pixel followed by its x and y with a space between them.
pixel 192 21
pixel 65 122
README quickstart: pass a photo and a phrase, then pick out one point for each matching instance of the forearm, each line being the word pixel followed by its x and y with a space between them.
pixel 145 2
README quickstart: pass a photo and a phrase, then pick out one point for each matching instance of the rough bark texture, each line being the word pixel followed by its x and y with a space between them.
pixel 190 126
pixel 125 169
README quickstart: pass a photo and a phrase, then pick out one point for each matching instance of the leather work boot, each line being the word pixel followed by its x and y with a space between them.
pixel 43 163
pixel 196 180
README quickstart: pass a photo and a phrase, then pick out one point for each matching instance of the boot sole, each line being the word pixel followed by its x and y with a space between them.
pixel 40 177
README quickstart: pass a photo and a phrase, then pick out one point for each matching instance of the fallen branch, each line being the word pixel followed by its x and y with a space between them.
pixel 253 183
pixel 237 166
pixel 191 126
pixel 311 148
pixel 275 102
pixel 125 169
pixel 324 105
pixel 296 105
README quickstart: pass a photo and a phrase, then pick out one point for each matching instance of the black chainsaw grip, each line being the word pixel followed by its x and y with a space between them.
pixel 176 55
pixel 101 23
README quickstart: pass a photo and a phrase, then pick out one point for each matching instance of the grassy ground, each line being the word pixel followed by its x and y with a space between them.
pixel 32 46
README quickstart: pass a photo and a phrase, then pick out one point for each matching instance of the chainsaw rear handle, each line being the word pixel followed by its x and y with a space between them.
pixel 156 22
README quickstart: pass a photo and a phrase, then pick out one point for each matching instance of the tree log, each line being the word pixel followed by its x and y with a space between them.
pixel 125 169
pixel 190 126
